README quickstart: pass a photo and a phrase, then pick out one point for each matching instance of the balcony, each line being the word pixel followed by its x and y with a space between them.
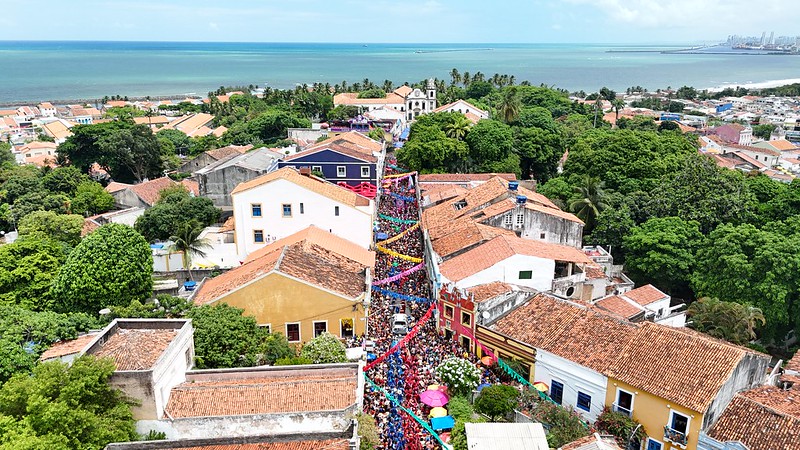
pixel 675 436
pixel 621 410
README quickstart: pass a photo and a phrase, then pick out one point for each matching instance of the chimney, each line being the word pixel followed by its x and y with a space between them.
pixel 513 185
pixel 305 171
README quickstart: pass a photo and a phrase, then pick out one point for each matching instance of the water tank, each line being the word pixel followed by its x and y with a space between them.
pixel 513 185
pixel 521 199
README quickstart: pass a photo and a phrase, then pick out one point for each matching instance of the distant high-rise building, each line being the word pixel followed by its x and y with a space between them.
pixel 763 37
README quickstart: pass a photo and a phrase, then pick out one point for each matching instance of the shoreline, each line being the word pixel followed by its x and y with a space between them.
pixel 92 101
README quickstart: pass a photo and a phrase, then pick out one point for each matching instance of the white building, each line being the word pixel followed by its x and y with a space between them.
pixel 419 102
pixel 645 303
pixel 46 109
pixel 284 202
pixel 472 112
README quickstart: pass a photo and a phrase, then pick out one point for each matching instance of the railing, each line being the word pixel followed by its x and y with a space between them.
pixel 675 436
pixel 621 410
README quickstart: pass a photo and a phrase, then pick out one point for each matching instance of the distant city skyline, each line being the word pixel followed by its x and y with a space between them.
pixel 424 21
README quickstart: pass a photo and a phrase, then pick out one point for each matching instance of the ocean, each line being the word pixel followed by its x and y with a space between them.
pixel 37 71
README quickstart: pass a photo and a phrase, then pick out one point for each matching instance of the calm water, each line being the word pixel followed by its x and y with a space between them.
pixel 67 70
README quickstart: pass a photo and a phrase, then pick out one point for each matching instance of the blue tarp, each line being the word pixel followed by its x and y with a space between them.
pixel 381 236
pixel 404 134
pixel 443 423
pixel 398 145
pixel 190 285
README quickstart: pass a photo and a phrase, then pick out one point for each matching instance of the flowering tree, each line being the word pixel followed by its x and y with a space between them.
pixel 324 349
pixel 459 375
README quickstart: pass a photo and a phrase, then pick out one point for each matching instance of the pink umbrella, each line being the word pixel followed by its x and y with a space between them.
pixel 433 398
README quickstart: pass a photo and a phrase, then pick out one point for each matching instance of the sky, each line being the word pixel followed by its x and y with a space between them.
pixel 409 21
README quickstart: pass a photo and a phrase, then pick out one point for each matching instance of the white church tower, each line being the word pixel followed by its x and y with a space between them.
pixel 418 102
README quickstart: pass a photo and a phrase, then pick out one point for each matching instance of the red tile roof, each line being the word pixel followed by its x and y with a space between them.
pixel 115 186
pixel 213 288
pixel 483 292
pixel 466 234
pixel 136 349
pixel 645 295
pixel 308 444
pixel 291 393
pixel 317 236
pixel 65 348
pixel 750 419
pixel 618 305
pixel 322 187
pixel 224 152
pixel 150 191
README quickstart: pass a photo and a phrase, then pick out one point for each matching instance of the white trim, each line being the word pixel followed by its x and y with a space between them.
pixel 316 168
pixel 299 331
pixel 314 326
pixel 633 398
pixel 341 171
pixel 363 170
pixel 268 326
pixel 649 439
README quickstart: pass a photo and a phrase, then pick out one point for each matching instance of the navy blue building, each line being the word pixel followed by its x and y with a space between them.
pixel 344 158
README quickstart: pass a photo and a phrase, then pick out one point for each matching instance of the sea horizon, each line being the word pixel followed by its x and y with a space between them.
pixel 54 70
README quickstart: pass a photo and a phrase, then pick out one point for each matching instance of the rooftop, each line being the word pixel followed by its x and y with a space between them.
pixel 321 238
pixel 464 235
pixel 618 305
pixel 319 186
pixel 272 391
pixel 645 295
pixel 66 348
pixel 135 349
pixel 483 292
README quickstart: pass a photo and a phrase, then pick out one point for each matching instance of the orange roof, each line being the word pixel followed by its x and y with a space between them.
pixel 115 186
pixel 155 120
pixel 65 348
pixel 364 143
pixel 437 194
pixel 351 98
pixel 322 187
pixel 150 191
pixel 37 145
pixel 191 123
pixel 753 419
pixel 191 185
pixel 89 225
pixel 503 247
pixel 645 295
pixel 136 349
pixel 403 91
pixel 229 225
pixel 618 305
pixel 782 145
pixel 213 288
pixel 46 105
pixel 41 161
pixel 294 392
pixel 307 444
pixel 224 152
pixel 685 367
pixel 483 292
pixel 322 238
pixel 465 235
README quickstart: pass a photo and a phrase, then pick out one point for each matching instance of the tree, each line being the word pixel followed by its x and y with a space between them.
pixel 324 349
pixel 489 141
pixel 734 322
pixel 612 226
pixel 367 432
pixel 479 89
pixel 539 150
pixel 65 406
pixel 497 401
pixel 266 128
pixel 377 134
pixel 764 131
pixel 588 201
pixel 90 199
pixel 662 251
pixel 6 157
pixel 223 337
pixel 458 128
pixel 617 104
pixel 429 150
pixel 111 266
pixel 175 208
pixel 275 347
pixel 64 228
pixel 509 106
pixel 130 154
pixel 459 375
pixel 189 243
pixel 64 180
pixel 27 268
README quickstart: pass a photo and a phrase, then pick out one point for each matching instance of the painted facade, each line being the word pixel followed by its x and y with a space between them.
pixel 337 167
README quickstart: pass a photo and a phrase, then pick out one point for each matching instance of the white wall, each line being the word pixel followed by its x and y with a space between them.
pixel 508 271
pixel 574 377
pixel 170 368
pixel 353 224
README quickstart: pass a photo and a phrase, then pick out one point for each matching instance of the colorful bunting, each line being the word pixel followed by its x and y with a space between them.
pixel 409 298
pixel 399 276
pixel 404 341
pixel 397 255
pixel 396 220
pixel 399 176
pixel 399 236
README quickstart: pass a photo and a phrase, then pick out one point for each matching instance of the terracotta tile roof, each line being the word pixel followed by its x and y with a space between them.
pixel 155 120
pixel 463 177
pixel 192 185
pixel 41 161
pixel 265 395
pixel 536 197
pixel 46 105
pixel 483 292
pixel 756 425
pixel 34 145
pixel 792 365
pixel 136 349
pixel 224 152
pixel 782 145
pixel 150 191
pixel 465 103
pixel 750 148
pixel 502 247
pixel 784 401
pixel 440 193
pixel 355 139
pixel 594 272
pixel 618 305
pixel 317 236
pixel 213 288
pixel 680 366
pixel 645 295
pixel 309 444
pixel 114 187
pixel 464 235
pixel 89 225
pixel 64 348
pixel 578 334
pixel 553 212
pixel 229 225
pixel 191 123
pixel 322 187
pixel 351 98
pixel 592 442
pixel 403 91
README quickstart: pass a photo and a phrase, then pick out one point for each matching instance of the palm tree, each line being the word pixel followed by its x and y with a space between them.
pixel 734 322
pixel 509 106
pixel 465 78
pixel 455 77
pixel 458 128
pixel 617 104
pixel 589 201
pixel 388 86
pixel 188 241
pixel 598 106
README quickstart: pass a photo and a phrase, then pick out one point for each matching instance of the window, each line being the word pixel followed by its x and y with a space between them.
pixel 335 210
pixel 316 169
pixel 320 327
pixel 584 401
pixel 466 318
pixel 678 422
pixel 624 403
pixel 287 210
pixel 525 274
pixel 346 328
pixel 267 327
pixel 364 171
pixel 302 209
pixel 258 236
pixel 652 444
pixel 255 209
pixel 520 219
pixel 556 391
pixel 293 332
pixel 341 171
pixel 448 311
pixel 542 235
pixel 466 342
pixel 508 220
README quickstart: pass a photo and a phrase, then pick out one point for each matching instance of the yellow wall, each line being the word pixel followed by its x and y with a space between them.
pixel 653 413
pixel 507 348
pixel 277 299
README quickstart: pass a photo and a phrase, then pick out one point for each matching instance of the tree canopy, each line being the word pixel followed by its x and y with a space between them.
pixel 174 209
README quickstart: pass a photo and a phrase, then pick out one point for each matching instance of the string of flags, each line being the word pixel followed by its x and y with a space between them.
pixel 399 276
pixel 402 342
pixel 397 254
pixel 399 236
pixel 409 298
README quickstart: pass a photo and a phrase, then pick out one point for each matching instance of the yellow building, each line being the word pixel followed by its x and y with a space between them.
pixel 301 286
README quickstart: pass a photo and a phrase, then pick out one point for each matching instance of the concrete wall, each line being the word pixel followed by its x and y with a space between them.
pixel 197 163
pixel 508 271
pixel 218 184
pixel 751 372
pixel 126 198
pixel 352 223
pixel 278 299
pixel 575 378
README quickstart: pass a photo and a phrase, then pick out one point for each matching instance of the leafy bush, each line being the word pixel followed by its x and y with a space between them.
pixel 324 349
pixel 564 425
pixel 293 361
pixel 460 408
pixel 620 426
pixel 368 432
pixel 497 401
pixel 459 375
